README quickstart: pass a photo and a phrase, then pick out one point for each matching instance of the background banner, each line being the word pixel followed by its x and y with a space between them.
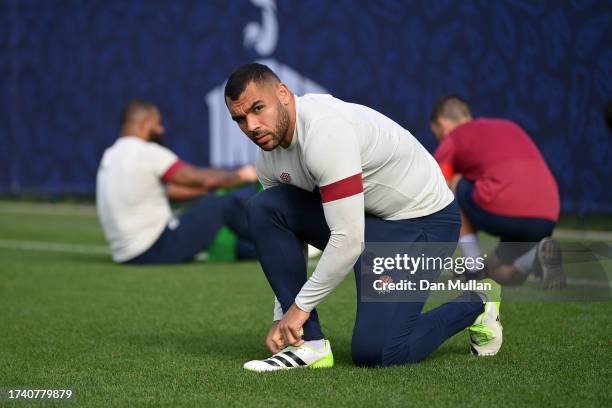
pixel 68 67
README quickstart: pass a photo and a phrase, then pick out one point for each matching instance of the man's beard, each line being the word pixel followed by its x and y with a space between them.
pixel 282 126
pixel 156 138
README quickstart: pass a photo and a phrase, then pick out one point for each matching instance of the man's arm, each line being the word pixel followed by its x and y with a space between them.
pixel 190 176
pixel 177 192
pixel 333 157
pixel 171 170
pixel 343 206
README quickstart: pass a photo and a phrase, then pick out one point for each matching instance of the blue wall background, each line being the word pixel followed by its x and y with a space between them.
pixel 67 67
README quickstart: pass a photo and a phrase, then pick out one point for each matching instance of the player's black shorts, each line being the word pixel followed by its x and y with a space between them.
pixel 509 229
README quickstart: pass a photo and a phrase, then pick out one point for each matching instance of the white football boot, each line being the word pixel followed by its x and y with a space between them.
pixel 294 357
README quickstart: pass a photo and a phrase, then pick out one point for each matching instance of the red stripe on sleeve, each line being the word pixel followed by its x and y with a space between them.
pixel 447 171
pixel 342 188
pixel 171 170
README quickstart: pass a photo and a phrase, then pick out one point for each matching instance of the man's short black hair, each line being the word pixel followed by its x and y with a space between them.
pixel 135 110
pixel 240 78
pixel 452 107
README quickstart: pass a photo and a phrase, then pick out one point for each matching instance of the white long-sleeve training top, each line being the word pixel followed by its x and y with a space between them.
pixel 362 162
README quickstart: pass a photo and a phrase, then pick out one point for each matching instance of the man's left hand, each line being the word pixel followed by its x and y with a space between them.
pixel 291 325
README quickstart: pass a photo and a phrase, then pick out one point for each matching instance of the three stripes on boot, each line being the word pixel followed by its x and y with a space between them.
pixel 286 358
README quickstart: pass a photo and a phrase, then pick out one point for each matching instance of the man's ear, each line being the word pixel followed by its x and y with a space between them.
pixel 282 91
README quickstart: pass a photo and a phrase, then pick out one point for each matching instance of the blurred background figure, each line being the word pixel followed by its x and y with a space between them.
pixel 136 178
pixel 504 187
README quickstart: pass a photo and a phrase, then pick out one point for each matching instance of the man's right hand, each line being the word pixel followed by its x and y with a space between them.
pixel 274 339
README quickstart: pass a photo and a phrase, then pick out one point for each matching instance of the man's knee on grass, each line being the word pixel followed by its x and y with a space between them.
pixel 367 352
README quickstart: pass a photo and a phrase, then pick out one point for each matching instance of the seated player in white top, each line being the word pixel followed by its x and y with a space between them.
pixel 137 177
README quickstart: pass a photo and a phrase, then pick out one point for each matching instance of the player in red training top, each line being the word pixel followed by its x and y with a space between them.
pixel 504 187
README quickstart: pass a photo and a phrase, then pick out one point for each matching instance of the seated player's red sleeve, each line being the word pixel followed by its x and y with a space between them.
pixel 171 170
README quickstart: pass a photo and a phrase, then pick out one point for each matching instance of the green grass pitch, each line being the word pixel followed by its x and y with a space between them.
pixel 178 336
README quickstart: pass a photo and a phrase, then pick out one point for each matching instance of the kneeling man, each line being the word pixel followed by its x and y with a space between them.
pixel 337 175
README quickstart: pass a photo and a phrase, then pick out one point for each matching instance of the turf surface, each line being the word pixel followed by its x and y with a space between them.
pixel 178 335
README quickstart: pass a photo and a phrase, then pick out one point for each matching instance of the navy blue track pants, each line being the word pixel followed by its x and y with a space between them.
pixel 386 333
pixel 196 230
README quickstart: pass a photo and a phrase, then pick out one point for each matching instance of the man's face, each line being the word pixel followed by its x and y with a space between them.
pixel 261 115
pixel 154 127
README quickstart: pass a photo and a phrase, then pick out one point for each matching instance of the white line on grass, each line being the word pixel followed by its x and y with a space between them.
pixel 89 210
pixel 79 210
pixel 53 247
pixel 583 234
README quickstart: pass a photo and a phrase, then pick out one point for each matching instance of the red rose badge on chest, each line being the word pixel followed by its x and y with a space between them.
pixel 285 178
